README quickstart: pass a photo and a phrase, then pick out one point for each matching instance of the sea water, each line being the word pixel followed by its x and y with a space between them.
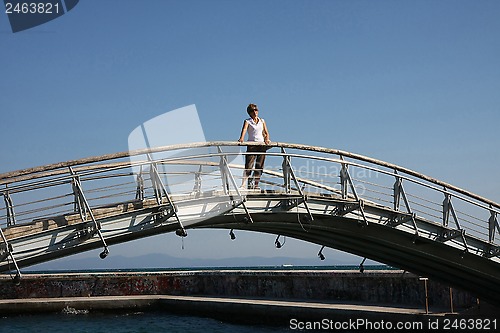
pixel 136 322
pixel 144 322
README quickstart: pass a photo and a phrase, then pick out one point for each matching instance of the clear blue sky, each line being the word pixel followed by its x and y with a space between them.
pixel 416 83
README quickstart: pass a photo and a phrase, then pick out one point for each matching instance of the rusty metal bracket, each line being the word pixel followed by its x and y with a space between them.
pixel 492 251
pixel 402 218
pixel 342 209
pixel 448 234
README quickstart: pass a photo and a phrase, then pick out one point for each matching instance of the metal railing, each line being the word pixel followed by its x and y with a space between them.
pixel 160 174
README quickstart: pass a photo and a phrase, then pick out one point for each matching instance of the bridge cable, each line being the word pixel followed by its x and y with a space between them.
pixel 298 217
pixel 277 242
pixel 361 267
pixel 320 253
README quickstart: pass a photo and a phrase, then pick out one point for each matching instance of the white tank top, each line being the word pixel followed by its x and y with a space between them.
pixel 255 130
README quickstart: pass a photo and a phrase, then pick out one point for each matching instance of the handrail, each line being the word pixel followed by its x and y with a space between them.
pixel 40 171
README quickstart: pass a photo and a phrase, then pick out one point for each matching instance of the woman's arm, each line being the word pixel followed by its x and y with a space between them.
pixel 243 131
pixel 266 133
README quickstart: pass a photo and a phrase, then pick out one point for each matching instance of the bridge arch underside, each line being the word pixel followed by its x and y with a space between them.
pixel 396 248
pixel 388 245
pixel 414 246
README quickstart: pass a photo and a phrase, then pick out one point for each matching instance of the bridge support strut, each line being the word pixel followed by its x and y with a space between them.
pixel 11 216
pixel 9 252
pixel 345 178
pixel 459 232
pixel 398 193
pixel 493 224
pixel 160 188
pixel 289 174
pixel 225 174
pixel 86 208
pixel 139 192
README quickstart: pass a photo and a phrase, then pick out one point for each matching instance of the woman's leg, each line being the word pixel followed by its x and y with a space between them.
pixel 259 165
pixel 249 161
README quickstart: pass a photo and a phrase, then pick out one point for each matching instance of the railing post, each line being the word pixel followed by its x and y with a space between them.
pixel 345 180
pixel 155 180
pixel 397 192
pixel 228 175
pixel 287 174
pixel 77 186
pixel 139 193
pixel 493 224
pixel 78 205
pixel 9 251
pixel 223 172
pixel 160 188
pixel 458 232
pixel 197 181
pixel 344 176
pixel 11 216
pixel 293 176
pixel 446 209
pixel 11 221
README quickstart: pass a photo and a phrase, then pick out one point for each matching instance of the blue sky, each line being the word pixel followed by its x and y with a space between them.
pixel 414 83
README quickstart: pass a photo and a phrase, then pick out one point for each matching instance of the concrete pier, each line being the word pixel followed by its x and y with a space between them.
pixel 273 294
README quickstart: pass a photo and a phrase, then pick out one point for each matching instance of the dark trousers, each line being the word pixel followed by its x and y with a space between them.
pixel 250 159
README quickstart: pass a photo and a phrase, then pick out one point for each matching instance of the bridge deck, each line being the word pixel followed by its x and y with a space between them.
pixel 364 206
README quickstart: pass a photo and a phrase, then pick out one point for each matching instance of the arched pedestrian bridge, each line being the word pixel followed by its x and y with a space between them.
pixel 333 198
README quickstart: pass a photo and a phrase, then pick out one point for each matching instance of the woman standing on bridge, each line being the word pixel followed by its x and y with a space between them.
pixel 257 132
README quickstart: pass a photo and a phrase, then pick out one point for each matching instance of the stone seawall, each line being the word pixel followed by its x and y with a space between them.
pixel 372 287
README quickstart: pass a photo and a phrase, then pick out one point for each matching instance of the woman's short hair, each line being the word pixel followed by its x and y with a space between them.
pixel 250 107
